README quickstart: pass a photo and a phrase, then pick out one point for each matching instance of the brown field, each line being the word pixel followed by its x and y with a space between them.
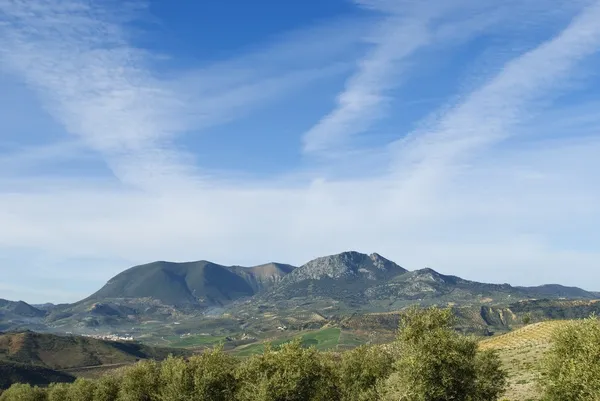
pixel 521 352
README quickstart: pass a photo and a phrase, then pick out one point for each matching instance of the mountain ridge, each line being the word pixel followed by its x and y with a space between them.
pixel 207 284
pixel 339 284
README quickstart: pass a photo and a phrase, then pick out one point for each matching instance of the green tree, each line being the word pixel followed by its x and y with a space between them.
pixel 490 378
pixel 571 369
pixel 81 390
pixel 107 388
pixel 435 363
pixel 176 383
pixel 58 392
pixel 23 392
pixel 291 373
pixel 361 369
pixel 141 382
pixel 213 375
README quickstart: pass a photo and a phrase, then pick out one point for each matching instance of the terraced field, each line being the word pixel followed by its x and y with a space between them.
pixel 521 352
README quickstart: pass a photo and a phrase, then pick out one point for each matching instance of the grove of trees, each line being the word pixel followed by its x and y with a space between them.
pixel 429 361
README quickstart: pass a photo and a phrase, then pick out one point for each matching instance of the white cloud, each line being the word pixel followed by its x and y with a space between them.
pixel 453 201
pixel 75 55
pixel 405 29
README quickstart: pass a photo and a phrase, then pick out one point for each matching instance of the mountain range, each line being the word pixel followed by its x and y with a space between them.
pixel 348 282
pixel 346 276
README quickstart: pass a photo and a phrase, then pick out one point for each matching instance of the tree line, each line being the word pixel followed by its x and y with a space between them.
pixel 428 361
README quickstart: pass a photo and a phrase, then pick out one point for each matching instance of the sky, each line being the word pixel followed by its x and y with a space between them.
pixel 460 135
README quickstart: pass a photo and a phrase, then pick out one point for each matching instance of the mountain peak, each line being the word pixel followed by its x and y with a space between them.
pixel 347 265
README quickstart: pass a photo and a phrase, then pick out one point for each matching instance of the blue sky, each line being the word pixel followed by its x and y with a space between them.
pixel 460 135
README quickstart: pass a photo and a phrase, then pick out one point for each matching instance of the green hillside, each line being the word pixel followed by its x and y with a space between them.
pixel 11 372
pixel 66 352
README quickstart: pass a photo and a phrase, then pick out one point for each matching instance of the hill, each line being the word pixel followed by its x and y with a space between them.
pixel 20 309
pixel 11 372
pixel 350 277
pixel 66 352
pixel 203 296
pixel 199 283
pixel 521 352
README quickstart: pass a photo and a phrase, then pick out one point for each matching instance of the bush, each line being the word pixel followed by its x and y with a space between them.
pixel 23 392
pixel 209 376
pixel 81 390
pixel 107 388
pixel 361 370
pixel 435 363
pixel 429 361
pixel 140 382
pixel 58 392
pixel 570 370
pixel 292 373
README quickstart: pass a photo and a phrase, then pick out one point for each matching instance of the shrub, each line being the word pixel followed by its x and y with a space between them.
pixel 81 390
pixel 107 388
pixel 58 391
pixel 435 363
pixel 140 382
pixel 570 370
pixel 292 373
pixel 213 375
pixel 23 392
pixel 360 371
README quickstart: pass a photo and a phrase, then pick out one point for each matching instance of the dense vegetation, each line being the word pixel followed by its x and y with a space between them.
pixel 571 368
pixel 429 361
pixel 12 372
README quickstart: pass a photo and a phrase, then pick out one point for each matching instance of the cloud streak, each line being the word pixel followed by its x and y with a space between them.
pixel 451 199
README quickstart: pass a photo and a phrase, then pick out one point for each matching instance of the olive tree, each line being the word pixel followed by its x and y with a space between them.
pixel 571 369
pixel 435 363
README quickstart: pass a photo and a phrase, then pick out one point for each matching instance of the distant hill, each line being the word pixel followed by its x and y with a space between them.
pixel 19 309
pixel 194 283
pixel 341 284
pixel 371 281
pixel 11 372
pixel 350 277
pixel 67 352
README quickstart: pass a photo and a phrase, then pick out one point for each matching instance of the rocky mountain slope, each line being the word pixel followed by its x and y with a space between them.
pixel 349 282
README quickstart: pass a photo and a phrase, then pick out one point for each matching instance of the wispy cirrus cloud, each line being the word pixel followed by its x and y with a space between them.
pixel 451 198
pixel 79 58
pixel 490 113
pixel 405 29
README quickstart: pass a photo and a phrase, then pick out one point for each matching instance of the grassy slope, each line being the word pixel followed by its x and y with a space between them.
pixel 66 352
pixel 521 351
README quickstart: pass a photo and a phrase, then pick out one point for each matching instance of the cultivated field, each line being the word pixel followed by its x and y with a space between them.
pixel 521 352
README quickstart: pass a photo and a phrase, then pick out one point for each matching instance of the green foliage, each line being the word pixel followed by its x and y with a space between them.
pixel 107 388
pixel 209 376
pixel 23 392
pixel 429 361
pixel 435 363
pixel 81 390
pixel 292 373
pixel 361 370
pixel 570 370
pixel 58 392
pixel 213 375
pixel 141 382
pixel 490 378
